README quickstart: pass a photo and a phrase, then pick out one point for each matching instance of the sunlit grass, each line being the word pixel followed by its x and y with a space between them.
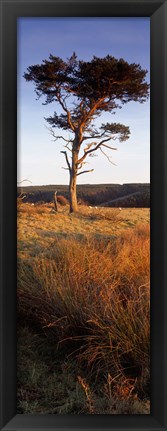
pixel 87 292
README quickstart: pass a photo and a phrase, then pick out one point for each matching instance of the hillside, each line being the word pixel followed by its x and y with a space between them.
pixel 132 195
pixel 83 310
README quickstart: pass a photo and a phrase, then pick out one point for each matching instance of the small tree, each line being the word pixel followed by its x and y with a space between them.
pixel 83 90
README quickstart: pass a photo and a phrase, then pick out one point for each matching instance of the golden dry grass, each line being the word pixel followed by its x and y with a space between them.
pixel 84 280
pixel 39 225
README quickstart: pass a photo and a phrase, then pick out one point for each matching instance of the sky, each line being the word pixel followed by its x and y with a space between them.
pixel 38 155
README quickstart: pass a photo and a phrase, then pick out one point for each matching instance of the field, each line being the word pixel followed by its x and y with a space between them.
pixel 83 310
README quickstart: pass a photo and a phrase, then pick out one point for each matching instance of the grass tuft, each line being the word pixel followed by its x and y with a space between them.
pixel 94 300
pixel 83 310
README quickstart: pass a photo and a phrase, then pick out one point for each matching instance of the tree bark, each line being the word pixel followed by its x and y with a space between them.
pixel 73 182
pixel 73 194
pixel 55 201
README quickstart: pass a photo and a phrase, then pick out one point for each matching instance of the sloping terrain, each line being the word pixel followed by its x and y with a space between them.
pixel 91 194
pixel 83 310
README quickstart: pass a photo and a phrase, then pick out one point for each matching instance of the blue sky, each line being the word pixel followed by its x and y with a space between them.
pixel 39 157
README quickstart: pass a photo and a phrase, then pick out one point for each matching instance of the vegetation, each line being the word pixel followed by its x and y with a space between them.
pixel 83 310
pixel 84 90
pixel 108 195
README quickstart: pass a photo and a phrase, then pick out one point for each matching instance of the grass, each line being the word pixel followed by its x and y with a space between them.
pixel 84 301
pixel 46 386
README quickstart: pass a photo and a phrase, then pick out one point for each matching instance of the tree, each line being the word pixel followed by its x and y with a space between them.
pixel 84 90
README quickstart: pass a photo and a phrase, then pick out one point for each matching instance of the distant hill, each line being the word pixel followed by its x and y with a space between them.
pixel 111 195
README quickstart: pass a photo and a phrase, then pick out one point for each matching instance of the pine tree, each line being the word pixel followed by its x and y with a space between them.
pixel 84 90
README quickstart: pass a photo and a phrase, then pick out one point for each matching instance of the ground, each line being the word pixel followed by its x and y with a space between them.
pixel 39 225
pixel 53 380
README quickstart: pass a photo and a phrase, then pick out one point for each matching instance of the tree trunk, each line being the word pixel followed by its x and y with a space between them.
pixel 55 201
pixel 73 194
pixel 73 183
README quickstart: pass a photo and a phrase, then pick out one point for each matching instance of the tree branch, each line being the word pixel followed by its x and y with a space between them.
pixel 84 172
pixel 66 110
pixel 67 161
pixel 108 146
pixel 79 166
pixel 58 137
pixel 20 182
pixel 93 137
pixel 97 146
pixel 89 146
pixel 109 158
pixel 62 137
pixel 93 149
pixel 92 110
pixel 66 146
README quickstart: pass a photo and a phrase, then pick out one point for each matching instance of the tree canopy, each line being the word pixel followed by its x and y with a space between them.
pixel 84 90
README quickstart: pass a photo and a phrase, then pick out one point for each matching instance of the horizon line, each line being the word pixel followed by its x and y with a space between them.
pixel 85 184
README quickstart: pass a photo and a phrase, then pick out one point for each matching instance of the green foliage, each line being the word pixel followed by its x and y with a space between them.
pixel 90 87
pixel 89 80
pixel 116 129
pixel 84 90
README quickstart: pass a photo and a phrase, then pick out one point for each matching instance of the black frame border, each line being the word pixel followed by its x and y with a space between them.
pixel 10 11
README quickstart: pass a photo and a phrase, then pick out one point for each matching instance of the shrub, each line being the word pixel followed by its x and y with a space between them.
pixel 62 200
